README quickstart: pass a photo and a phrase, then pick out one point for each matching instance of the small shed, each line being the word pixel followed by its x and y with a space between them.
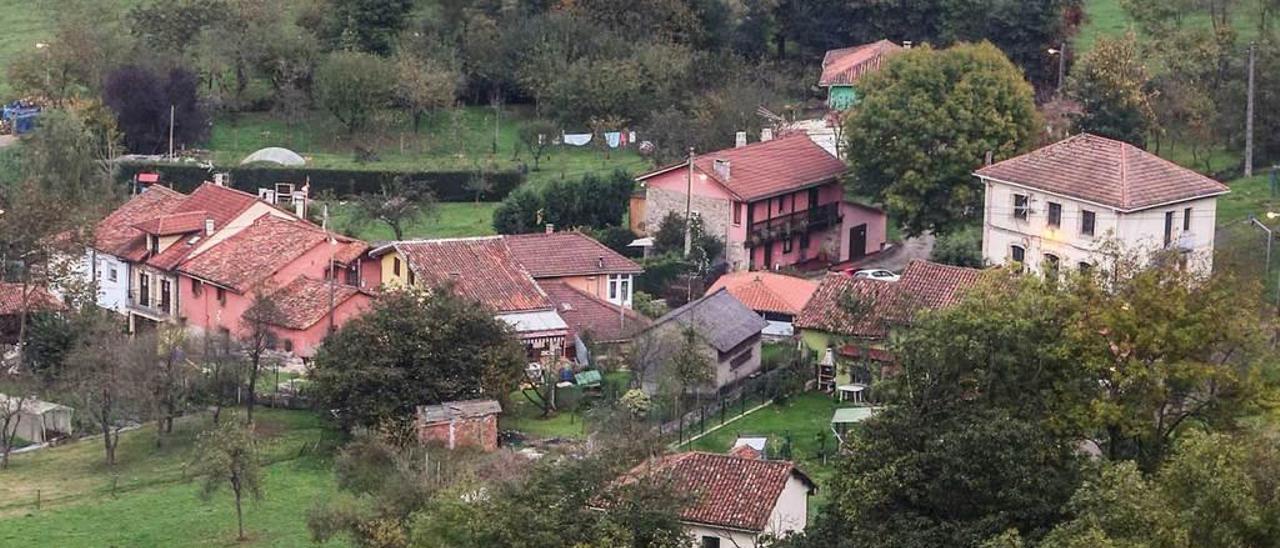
pixel 38 421
pixel 460 423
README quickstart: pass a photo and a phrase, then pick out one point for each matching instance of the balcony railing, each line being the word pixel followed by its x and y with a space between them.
pixel 799 222
pixel 153 306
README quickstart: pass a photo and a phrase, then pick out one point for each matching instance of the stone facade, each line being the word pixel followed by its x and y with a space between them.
pixel 480 432
pixel 716 215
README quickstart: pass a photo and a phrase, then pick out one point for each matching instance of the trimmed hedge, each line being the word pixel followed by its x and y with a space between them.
pixel 448 186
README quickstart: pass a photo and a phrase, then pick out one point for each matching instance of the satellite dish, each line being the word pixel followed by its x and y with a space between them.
pixel 275 155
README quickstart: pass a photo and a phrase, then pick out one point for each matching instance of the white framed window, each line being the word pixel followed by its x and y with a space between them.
pixel 1021 206
pixel 620 288
pixel 111 274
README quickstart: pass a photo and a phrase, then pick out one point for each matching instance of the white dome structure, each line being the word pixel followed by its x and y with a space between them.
pixel 275 155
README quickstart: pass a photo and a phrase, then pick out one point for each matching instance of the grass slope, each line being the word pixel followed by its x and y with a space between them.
pixel 450 220
pixel 153 503
pixel 1108 18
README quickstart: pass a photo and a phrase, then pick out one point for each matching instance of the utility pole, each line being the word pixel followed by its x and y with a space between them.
pixel 171 114
pixel 1248 120
pixel 1062 66
pixel 688 207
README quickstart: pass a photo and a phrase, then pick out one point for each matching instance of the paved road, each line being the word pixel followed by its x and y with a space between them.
pixel 897 257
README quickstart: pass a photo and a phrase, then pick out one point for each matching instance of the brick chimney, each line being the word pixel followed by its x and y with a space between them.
pixel 208 227
pixel 740 139
pixel 766 134
pixel 551 229
pixel 722 169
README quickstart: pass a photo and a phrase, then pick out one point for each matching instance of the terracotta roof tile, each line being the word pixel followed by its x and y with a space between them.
pixel 728 491
pixel 567 254
pixel 1104 171
pixel 173 223
pixel 220 203
pixel 305 301
pixel 587 314
pixel 116 235
pixel 38 298
pixel 764 169
pixel 768 291
pixel 923 286
pixel 842 67
pixel 255 253
pixel 483 269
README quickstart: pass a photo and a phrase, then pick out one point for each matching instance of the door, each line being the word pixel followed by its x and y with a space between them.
pixel 858 242
pixel 768 256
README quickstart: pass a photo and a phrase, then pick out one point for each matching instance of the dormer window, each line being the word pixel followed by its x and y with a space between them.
pixel 153 243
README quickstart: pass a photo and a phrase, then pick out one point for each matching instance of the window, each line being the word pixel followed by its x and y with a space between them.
pixel 1051 262
pixel 353 275
pixel 786 245
pixel 1084 267
pixel 620 289
pixel 1021 206
pixel 197 287
pixel 710 542
pixel 780 204
pixel 144 290
pixel 737 213
pixel 1018 254
pixel 1087 220
pixel 288 345
pixel 222 296
pixel 1186 219
pixel 1168 227
pixel 153 244
pixel 111 274
pixel 413 280
pixel 740 359
pixel 166 289
pixel 395 266
pixel 1055 214
pixel 804 240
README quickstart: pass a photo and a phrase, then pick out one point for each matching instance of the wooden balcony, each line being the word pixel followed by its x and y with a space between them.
pixel 799 222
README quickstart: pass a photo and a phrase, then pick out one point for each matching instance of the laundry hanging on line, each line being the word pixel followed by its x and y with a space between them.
pixel 613 138
pixel 577 139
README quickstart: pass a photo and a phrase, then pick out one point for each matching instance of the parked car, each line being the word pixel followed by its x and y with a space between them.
pixel 877 274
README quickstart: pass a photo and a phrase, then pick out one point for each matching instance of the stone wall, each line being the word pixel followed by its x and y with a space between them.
pixel 479 432
pixel 716 213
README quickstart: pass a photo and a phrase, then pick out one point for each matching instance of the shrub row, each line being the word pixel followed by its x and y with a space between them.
pixel 448 186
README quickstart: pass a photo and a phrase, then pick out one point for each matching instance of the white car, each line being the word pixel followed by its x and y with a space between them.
pixel 877 274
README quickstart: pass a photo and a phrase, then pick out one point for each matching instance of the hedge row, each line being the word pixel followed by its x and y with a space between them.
pixel 448 186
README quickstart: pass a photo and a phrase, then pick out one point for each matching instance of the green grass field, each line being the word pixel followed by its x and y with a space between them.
pixel 450 220
pixel 1108 18
pixel 153 503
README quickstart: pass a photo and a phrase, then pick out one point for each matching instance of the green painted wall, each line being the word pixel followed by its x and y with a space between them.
pixel 817 341
pixel 841 97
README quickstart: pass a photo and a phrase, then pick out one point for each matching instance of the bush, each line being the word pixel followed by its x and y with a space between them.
pixel 589 202
pixel 960 248
pixel 447 186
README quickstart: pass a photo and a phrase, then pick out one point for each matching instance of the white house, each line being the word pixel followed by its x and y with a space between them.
pixel 737 499
pixel 1056 207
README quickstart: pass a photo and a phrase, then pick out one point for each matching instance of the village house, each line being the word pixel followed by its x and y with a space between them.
pixel 848 320
pixel 778 298
pixel 458 424
pixel 726 332
pixel 1059 207
pixel 14 299
pixel 313 278
pixel 775 203
pixel 553 288
pixel 736 499
pixel 842 68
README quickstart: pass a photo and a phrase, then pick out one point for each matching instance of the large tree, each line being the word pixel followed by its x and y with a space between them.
pixel 365 25
pixel 397 204
pixel 352 86
pixel 1112 86
pixel 926 121
pixel 151 108
pixel 415 347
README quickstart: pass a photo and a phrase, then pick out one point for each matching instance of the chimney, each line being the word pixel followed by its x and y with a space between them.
pixel 551 229
pixel 740 139
pixel 766 134
pixel 722 169
pixel 208 227
pixel 906 44
pixel 987 161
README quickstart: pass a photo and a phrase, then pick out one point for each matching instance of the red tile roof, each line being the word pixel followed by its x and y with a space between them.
pixel 38 299
pixel 1104 171
pixel 305 301
pixel 586 314
pixel 842 67
pixel 483 269
pixel 923 286
pixel 728 491
pixel 567 254
pixel 173 223
pixel 768 291
pixel 115 233
pixel 255 253
pixel 767 168
pixel 220 203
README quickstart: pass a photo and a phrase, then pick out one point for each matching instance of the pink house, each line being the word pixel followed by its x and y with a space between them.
pixel 775 203
pixel 290 260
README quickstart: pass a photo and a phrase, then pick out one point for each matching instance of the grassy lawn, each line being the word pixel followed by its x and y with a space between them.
pixel 446 141
pixel 451 220
pixel 1108 18
pixel 803 418
pixel 1250 196
pixel 153 503
pixel 525 417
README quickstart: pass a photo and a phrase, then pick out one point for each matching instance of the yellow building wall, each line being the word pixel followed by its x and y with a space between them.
pixel 389 277
pixel 597 286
